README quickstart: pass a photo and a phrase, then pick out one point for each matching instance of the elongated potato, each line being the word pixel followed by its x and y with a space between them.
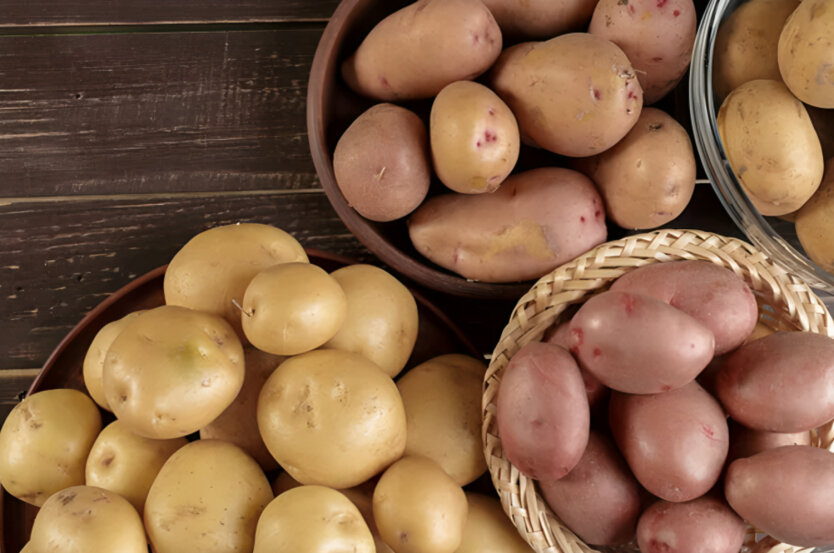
pixel 540 19
pixel 536 221
pixel 806 53
pixel 703 525
pixel 746 442
pixel 419 49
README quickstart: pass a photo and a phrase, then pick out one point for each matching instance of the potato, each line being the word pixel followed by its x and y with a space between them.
pixel 418 508
pixel 746 442
pixel 442 399
pixel 126 464
pixel 86 519
pixel 703 525
pixel 382 318
pixel 332 417
pixel 44 443
pixel 712 294
pixel 94 358
pixel 540 19
pixel 474 138
pixel 419 49
pixel 542 411
pixel 802 477
pixel 771 145
pixel 292 308
pixel 806 53
pixel 313 519
pixel 207 497
pixel 746 44
pixel 382 163
pixel 488 530
pixel 575 94
pixel 594 389
pixel 535 222
pixel 215 267
pixel 648 178
pixel 638 344
pixel 675 443
pixel 823 120
pixel 780 383
pixel 238 424
pixel 815 222
pixel 656 35
pixel 608 515
pixel 171 371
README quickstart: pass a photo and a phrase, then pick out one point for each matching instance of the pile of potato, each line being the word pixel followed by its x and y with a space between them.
pixel 773 73
pixel 259 361
pixel 569 79
pixel 621 415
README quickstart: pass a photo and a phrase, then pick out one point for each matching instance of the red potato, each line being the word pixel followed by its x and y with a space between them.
pixel 597 392
pixel 675 443
pixel 609 514
pixel 746 442
pixel 542 412
pixel 713 295
pixel 783 382
pixel 638 344
pixel 786 492
pixel 703 525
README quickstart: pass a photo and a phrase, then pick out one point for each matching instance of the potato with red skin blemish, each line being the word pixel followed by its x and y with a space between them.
pixel 597 392
pixel 703 525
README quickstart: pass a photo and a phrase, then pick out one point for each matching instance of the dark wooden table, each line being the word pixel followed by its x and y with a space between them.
pixel 127 126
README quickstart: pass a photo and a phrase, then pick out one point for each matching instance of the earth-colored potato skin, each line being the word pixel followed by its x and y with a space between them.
pixel 675 442
pixel 783 382
pixel 416 51
pixel 815 222
pixel 746 442
pixel 576 94
pixel 801 477
pixel 596 391
pixel 536 221
pixel 806 53
pixel 488 529
pixel 703 525
pixel 382 163
pixel 540 19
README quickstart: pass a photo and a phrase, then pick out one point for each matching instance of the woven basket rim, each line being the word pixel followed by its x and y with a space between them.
pixel 785 302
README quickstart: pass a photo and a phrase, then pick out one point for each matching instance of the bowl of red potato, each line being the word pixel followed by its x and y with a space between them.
pixel 474 146
pixel 671 391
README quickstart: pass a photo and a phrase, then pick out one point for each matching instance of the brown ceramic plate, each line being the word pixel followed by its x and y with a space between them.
pixel 437 335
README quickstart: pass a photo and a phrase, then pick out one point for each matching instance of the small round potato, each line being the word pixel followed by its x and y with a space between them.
pixel 125 463
pixel 332 417
pixel 418 508
pixel 292 308
pixel 172 370
pixel 312 519
pixel 815 222
pixel 94 359
pixel 382 317
pixel 44 443
pixel 474 138
pixel 806 53
pixel 488 529
pixel 207 497
pixel 215 266
pixel 86 519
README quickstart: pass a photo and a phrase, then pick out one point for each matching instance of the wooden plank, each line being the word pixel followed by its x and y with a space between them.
pixel 155 112
pixel 13 386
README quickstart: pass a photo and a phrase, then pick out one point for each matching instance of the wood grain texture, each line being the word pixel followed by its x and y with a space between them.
pixel 155 112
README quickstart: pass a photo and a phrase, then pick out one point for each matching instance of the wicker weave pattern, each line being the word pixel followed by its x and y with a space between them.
pixel 785 303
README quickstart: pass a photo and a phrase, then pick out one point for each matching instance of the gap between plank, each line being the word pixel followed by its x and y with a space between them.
pixel 158 27
pixel 155 196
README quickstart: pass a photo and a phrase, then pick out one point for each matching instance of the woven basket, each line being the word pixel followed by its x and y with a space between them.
pixel 785 303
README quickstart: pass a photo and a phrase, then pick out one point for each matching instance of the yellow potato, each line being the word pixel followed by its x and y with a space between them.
pixel 474 138
pixel 207 497
pixel 86 519
pixel 442 399
pixel 312 519
pixel 44 443
pixel 815 222
pixel 214 268
pixel 172 370
pixel 540 19
pixel 126 464
pixel 806 53
pixel 331 417
pixel 94 359
pixel 382 318
pixel 488 529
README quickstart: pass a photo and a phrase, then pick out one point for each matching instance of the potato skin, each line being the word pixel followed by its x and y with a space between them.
pixel 542 411
pixel 488 529
pixel 597 393
pixel 703 525
pixel 783 382
pixel 815 222
pixel 540 19
pixel 806 53
pixel 608 515
pixel 802 477
pixel 382 163
pixel 746 442
pixel 94 358
pixel 638 344
pixel 416 51
pixel 656 36
pixel 675 443
pixel 576 94
pixel 536 221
